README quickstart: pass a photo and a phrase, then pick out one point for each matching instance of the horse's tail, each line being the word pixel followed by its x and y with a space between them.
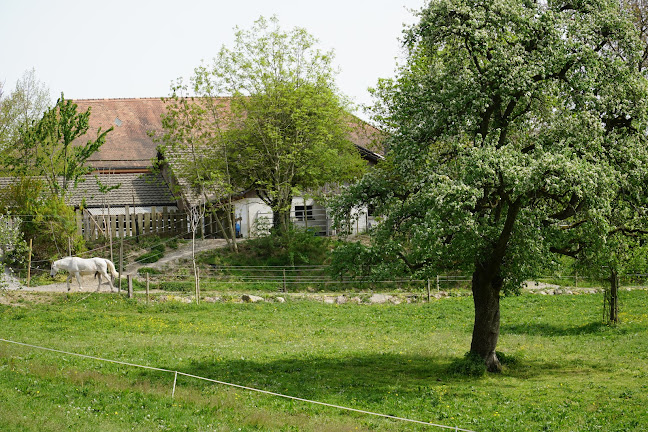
pixel 111 268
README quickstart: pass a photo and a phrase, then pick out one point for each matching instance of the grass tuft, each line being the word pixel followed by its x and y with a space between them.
pixel 471 365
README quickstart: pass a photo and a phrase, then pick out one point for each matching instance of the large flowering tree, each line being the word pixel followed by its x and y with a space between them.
pixel 518 131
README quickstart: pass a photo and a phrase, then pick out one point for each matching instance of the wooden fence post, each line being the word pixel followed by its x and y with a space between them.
pixel 111 232
pixel 120 225
pixel 113 225
pixel 79 221
pixel 153 220
pixel 284 280
pixel 147 287
pixel 428 290
pixel 130 286
pixel 134 220
pixel 121 262
pixel 86 232
pixel 29 262
pixel 127 221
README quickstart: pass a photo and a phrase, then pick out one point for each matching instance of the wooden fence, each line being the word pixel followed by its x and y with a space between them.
pixel 129 224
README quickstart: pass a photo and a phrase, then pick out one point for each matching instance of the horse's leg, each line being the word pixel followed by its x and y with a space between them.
pixel 78 278
pixel 112 287
pixel 99 277
pixel 69 278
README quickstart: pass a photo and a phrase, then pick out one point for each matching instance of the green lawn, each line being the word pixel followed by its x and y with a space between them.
pixel 570 372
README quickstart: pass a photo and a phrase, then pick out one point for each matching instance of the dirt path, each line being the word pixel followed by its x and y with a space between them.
pixel 89 283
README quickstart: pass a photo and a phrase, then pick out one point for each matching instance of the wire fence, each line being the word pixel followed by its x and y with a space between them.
pixel 295 278
pixel 251 389
pixel 317 278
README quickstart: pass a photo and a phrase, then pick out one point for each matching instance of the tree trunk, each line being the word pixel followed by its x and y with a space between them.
pixel 195 268
pixel 278 220
pixel 486 286
pixel 280 203
pixel 281 215
pixel 613 298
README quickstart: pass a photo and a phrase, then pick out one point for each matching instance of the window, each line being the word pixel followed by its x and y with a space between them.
pixel 371 210
pixel 299 212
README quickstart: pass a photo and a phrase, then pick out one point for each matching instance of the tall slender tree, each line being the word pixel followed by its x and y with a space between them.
pixel 195 145
pixel 51 147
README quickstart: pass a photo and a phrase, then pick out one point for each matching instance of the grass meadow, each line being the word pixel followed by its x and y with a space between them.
pixel 566 372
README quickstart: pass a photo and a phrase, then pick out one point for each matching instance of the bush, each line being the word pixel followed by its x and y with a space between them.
pixel 177 286
pixel 149 270
pixel 295 246
pixel 471 365
pixel 51 222
pixel 154 255
pixel 506 359
pixel 172 243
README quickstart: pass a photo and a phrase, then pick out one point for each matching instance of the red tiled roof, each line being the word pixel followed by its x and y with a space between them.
pixel 129 147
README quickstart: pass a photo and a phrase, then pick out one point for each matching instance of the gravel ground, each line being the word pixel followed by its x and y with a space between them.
pixel 89 283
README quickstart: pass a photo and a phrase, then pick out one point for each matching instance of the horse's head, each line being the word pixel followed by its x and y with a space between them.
pixel 54 269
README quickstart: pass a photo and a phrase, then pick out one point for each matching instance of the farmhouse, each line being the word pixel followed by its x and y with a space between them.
pixel 127 159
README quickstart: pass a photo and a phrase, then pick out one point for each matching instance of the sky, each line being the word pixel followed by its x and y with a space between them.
pixel 91 49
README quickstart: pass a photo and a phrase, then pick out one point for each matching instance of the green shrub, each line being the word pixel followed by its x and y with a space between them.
pixel 293 247
pixel 471 365
pixel 149 257
pixel 506 359
pixel 177 286
pixel 154 255
pixel 146 241
pixel 53 226
pixel 149 270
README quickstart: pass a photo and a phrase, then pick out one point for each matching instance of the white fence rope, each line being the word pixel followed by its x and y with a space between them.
pixel 176 373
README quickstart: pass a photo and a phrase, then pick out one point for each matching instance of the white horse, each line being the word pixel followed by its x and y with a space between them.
pixel 80 266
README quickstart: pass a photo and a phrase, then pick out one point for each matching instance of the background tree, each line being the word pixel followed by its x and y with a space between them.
pixel 51 147
pixel 18 109
pixel 289 130
pixel 46 219
pixel 620 246
pixel 514 127
pixel 47 161
pixel 197 150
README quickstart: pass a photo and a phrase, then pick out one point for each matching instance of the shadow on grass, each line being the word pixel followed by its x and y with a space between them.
pixel 544 329
pixel 369 378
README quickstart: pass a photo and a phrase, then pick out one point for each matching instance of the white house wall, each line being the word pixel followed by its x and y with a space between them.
pixel 255 217
pixel 251 213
